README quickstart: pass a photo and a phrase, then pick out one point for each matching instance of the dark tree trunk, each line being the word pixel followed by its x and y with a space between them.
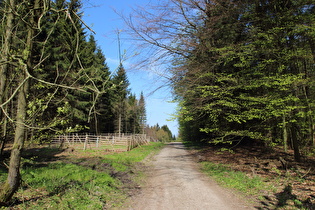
pixel 295 143
pixel 13 180
pixel 10 4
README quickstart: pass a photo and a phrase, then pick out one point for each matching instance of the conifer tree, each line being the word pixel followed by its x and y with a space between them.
pixel 52 87
pixel 120 93
pixel 99 75
pixel 142 113
pixel 132 115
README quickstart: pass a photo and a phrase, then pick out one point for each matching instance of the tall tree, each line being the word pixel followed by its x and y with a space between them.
pixel 241 69
pixel 120 93
pixel 142 113
pixel 99 114
pixel 26 66
pixel 4 68
pixel 48 75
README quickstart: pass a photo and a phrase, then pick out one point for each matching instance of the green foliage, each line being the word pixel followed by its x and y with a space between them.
pixel 242 82
pixel 71 70
pixel 162 134
pixel 70 186
pixel 54 79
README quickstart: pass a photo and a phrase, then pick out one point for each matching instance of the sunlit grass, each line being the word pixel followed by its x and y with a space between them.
pixel 69 186
pixel 234 179
pixel 66 185
pixel 123 161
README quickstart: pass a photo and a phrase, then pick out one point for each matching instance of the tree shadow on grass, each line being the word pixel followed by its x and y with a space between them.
pixel 32 157
pixel 287 198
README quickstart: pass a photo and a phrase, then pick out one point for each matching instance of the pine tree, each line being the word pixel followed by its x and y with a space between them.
pixel 142 113
pixel 100 113
pixel 120 93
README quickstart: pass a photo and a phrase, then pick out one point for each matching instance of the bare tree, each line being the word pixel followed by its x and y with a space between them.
pixel 166 34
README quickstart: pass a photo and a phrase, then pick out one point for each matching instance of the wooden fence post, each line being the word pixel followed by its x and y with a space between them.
pixel 85 142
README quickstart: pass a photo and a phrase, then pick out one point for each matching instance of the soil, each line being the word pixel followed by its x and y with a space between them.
pixel 292 183
pixel 175 182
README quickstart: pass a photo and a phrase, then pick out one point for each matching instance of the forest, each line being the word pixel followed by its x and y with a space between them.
pixel 240 70
pixel 54 80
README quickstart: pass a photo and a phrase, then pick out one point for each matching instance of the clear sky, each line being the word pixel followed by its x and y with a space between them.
pixel 100 15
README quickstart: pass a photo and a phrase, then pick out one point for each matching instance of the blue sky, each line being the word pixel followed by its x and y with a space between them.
pixel 100 15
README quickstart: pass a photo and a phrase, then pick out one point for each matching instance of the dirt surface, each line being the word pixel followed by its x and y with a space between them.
pixel 174 182
pixel 292 184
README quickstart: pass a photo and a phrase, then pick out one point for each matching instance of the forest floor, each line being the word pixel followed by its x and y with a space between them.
pixel 292 184
pixel 75 179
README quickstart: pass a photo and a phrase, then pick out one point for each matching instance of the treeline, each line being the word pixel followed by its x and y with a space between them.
pixel 54 79
pixel 240 69
pixel 157 133
pixel 70 87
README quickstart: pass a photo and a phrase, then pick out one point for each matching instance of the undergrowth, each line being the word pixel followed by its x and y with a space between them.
pixel 234 179
pixel 65 184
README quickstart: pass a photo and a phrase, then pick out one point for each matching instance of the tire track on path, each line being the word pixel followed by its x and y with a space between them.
pixel 174 182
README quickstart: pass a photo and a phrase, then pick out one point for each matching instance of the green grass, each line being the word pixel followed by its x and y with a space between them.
pixel 234 179
pixel 69 186
pixel 64 185
pixel 123 161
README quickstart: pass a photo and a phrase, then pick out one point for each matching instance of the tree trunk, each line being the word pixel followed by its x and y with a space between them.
pixel 295 143
pixel 10 4
pixel 285 134
pixel 13 180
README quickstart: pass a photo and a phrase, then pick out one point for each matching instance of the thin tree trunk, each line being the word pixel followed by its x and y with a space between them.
pixel 285 135
pixel 295 143
pixel 13 180
pixel 312 46
pixel 6 48
pixel 4 133
pixel 10 5
pixel 119 125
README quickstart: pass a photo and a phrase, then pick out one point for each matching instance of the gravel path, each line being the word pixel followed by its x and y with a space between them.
pixel 174 182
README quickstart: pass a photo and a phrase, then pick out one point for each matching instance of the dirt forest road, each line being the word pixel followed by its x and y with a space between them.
pixel 174 182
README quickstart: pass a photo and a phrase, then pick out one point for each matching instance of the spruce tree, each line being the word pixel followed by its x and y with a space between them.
pixel 142 113
pixel 120 93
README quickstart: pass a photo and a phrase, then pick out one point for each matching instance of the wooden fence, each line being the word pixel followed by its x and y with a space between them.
pixel 108 142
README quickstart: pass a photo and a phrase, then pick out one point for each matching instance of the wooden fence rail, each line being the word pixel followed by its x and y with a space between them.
pixel 109 142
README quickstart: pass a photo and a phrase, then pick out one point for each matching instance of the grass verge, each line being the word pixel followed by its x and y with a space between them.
pixel 250 185
pixel 84 180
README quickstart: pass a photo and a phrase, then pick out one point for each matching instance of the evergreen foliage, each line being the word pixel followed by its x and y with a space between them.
pixel 71 89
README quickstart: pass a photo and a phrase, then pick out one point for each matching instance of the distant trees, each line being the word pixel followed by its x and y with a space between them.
pixel 158 133
pixel 240 69
pixel 54 79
